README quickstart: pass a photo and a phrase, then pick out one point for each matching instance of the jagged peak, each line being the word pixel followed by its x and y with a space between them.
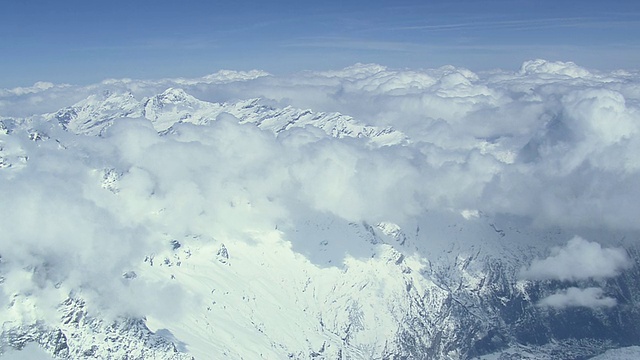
pixel 175 95
pixel 172 92
pixel 104 97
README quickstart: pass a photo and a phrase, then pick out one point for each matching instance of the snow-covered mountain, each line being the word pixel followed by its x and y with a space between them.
pixel 92 115
pixel 168 227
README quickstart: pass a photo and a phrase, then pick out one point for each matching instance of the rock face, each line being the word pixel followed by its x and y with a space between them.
pixel 448 287
pixel 80 336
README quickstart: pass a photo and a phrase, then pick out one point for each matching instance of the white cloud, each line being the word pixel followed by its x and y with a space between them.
pixel 36 88
pixel 578 260
pixel 543 67
pixel 592 297
pixel 553 143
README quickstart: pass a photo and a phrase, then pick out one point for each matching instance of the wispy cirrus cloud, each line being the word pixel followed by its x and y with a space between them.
pixel 523 24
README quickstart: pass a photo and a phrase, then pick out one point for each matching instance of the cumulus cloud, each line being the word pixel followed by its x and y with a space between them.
pixel 546 68
pixel 225 179
pixel 579 260
pixel 592 297
pixel 553 143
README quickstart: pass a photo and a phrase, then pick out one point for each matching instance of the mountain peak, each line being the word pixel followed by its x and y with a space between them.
pixel 175 95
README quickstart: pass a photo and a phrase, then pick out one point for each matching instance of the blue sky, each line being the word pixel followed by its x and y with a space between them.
pixel 86 41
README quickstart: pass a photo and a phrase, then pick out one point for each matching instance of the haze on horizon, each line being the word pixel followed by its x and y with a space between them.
pixel 84 42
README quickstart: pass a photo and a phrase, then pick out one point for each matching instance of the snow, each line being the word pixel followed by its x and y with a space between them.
pixel 267 294
pixel 628 353
pixel 324 213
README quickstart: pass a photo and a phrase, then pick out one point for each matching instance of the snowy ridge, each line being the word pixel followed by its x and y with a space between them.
pixel 77 334
pixel 97 111
pixel 94 114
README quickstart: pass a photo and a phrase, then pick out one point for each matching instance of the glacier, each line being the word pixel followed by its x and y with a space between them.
pixel 364 213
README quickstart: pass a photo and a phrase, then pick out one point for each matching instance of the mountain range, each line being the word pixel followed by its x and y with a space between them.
pixel 215 270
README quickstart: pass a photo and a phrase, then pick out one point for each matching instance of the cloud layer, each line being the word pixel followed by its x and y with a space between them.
pixel 553 143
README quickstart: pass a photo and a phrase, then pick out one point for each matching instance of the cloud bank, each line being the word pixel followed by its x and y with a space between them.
pixel 553 143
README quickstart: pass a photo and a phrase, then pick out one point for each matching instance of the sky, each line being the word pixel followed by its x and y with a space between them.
pixel 83 42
